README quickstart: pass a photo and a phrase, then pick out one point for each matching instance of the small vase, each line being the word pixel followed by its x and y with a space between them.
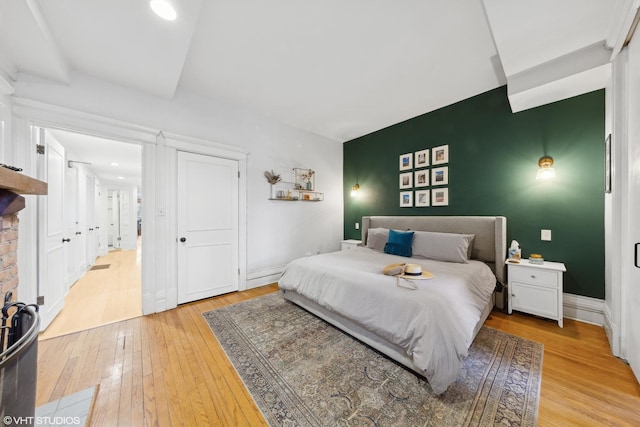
pixel 309 185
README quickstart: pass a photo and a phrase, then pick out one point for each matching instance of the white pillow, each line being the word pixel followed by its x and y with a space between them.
pixel 449 247
pixel 377 238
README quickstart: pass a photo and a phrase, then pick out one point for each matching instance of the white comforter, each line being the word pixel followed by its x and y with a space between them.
pixel 433 324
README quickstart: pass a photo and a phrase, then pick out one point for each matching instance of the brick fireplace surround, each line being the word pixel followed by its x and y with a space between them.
pixel 10 205
pixel 12 184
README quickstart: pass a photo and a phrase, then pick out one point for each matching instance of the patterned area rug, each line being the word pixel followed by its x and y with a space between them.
pixel 302 371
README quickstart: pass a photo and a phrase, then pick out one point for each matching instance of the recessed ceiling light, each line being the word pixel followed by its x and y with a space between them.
pixel 163 9
pixel 115 164
pixel 121 177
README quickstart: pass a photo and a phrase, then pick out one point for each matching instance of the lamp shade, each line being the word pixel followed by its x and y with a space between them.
pixel 545 168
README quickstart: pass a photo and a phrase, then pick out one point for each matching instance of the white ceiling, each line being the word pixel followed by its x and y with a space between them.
pixel 340 69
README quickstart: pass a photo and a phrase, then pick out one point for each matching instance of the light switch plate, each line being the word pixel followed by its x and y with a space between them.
pixel 357 226
pixel 545 235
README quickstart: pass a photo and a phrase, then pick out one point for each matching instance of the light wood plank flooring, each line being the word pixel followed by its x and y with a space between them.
pixel 168 369
pixel 102 296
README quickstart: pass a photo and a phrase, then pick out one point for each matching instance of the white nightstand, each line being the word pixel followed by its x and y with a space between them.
pixel 350 244
pixel 536 288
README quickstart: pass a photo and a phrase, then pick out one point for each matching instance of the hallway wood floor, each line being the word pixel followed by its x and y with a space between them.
pixel 168 369
pixel 102 296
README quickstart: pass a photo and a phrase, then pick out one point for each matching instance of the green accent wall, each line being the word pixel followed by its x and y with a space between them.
pixel 493 156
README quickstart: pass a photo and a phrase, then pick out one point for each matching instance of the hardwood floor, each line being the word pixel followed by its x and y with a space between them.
pixel 102 296
pixel 168 369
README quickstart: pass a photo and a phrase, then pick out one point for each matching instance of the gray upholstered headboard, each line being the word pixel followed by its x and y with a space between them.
pixel 489 245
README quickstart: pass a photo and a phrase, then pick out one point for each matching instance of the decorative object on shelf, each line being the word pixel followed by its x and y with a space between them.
pixel 440 155
pixel 304 179
pixel 545 168
pixel 272 177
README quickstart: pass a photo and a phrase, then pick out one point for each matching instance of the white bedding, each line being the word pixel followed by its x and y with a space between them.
pixel 433 324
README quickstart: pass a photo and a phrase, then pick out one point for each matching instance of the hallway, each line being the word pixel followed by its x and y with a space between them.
pixel 109 292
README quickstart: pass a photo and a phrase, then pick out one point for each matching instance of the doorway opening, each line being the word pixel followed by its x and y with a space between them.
pixel 101 248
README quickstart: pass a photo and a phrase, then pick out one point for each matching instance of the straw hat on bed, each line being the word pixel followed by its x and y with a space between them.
pixel 407 271
pixel 414 271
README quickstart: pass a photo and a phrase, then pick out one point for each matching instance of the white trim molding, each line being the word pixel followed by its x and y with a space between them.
pixel 584 309
pixel 264 276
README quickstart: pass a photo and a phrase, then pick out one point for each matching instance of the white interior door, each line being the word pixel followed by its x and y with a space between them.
pixel 90 222
pixel 72 247
pixel 114 219
pixel 631 327
pixel 52 265
pixel 207 215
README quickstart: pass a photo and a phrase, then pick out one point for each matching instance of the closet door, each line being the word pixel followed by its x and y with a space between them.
pixel 207 225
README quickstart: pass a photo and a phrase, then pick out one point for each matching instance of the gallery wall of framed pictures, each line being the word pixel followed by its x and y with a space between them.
pixel 423 175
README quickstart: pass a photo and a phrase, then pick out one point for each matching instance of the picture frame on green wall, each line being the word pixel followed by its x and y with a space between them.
pixel 422 158
pixel 440 176
pixel 406 161
pixel 423 198
pixel 406 180
pixel 406 199
pixel 440 155
pixel 421 178
pixel 440 197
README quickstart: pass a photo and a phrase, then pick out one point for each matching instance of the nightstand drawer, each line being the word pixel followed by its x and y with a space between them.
pixel 534 276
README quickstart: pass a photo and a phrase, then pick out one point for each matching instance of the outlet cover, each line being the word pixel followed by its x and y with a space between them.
pixel 357 226
pixel 545 235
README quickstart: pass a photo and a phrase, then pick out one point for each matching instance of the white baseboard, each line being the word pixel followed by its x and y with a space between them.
pixel 583 309
pixel 264 276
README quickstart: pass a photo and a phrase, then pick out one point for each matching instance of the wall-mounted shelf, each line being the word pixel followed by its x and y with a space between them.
pixel 302 189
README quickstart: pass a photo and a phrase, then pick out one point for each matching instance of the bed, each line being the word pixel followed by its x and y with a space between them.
pixel 430 329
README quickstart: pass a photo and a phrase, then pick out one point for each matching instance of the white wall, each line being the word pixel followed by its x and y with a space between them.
pixel 277 232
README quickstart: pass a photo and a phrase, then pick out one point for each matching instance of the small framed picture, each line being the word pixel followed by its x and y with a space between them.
pixel 421 178
pixel 440 197
pixel 422 158
pixel 440 176
pixel 406 180
pixel 406 199
pixel 406 161
pixel 440 155
pixel 422 198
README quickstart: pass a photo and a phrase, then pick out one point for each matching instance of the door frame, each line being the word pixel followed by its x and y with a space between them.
pixel 28 114
pixel 159 153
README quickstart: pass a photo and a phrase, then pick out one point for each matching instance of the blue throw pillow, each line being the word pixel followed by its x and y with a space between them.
pixel 399 243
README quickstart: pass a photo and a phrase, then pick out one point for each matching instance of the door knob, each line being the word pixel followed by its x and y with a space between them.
pixel 183 239
pixel 66 240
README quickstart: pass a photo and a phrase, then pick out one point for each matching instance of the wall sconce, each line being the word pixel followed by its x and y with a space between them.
pixel 354 190
pixel 545 168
